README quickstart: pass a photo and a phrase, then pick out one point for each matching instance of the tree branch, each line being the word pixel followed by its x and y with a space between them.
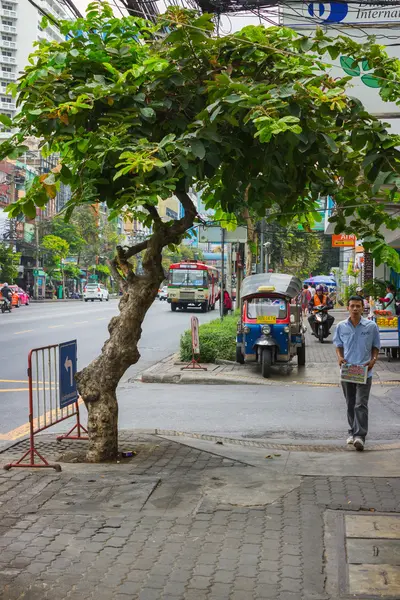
pixel 131 250
pixel 153 212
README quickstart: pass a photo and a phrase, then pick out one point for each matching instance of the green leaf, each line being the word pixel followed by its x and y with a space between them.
pixel 198 149
pixel 147 112
pixel 331 143
pixel 18 151
pixel 6 120
pixel 380 180
pixel 350 66
pixel 306 44
pixel 167 140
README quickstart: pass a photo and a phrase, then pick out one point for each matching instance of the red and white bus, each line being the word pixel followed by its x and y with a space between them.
pixel 192 283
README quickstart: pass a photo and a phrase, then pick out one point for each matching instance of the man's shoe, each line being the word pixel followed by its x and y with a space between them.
pixel 358 444
pixel 350 440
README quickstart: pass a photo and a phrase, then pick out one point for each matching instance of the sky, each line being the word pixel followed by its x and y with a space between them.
pixel 228 24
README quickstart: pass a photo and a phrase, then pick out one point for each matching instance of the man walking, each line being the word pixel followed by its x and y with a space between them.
pixel 357 342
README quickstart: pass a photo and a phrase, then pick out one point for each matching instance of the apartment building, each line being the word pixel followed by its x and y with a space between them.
pixel 19 29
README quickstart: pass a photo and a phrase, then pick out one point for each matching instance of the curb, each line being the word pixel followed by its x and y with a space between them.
pixel 290 447
pixel 186 379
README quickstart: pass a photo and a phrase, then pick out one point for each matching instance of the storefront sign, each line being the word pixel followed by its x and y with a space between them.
pixel 354 13
pixel 343 240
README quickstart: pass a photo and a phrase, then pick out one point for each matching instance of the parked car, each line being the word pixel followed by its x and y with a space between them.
pixel 163 293
pixel 23 296
pixel 95 291
pixel 15 301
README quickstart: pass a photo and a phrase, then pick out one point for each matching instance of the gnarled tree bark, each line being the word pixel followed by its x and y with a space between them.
pixel 97 383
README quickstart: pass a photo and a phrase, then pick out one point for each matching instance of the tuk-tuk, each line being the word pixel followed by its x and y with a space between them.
pixel 271 329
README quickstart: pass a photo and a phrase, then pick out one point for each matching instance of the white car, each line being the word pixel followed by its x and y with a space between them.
pixel 95 291
pixel 163 293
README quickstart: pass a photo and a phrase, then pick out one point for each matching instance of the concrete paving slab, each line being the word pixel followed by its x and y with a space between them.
pixel 370 463
pixel 372 526
pixel 374 580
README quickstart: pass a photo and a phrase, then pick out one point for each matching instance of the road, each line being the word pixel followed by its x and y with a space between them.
pixel 51 323
pixel 287 412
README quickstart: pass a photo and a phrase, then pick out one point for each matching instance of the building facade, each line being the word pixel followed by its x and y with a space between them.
pixel 19 29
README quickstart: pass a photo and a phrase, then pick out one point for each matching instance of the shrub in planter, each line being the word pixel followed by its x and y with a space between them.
pixel 217 340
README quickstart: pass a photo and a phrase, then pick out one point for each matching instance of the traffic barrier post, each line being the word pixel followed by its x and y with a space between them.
pixel 53 398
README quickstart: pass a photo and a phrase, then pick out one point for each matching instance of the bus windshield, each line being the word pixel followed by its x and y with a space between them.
pixel 266 307
pixel 190 277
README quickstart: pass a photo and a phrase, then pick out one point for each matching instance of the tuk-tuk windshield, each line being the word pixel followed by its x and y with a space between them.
pixel 266 307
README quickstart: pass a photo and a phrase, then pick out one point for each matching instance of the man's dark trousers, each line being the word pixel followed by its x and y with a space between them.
pixel 357 395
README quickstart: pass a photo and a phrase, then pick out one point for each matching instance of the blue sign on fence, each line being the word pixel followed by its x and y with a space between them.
pixel 67 369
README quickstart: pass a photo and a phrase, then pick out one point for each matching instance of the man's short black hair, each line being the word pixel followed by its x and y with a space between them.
pixel 356 298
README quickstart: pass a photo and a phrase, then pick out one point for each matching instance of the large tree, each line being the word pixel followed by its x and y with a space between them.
pixel 139 111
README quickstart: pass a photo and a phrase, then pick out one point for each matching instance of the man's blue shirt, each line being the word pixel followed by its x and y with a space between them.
pixel 357 342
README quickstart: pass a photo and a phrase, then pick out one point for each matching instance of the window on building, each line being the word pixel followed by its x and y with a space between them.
pixel 7 6
pixel 6 38
pixel 7 69
pixel 5 99
pixel 6 53
pixel 6 22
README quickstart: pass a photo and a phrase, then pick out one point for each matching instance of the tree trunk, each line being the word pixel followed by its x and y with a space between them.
pixel 97 383
pixel 251 240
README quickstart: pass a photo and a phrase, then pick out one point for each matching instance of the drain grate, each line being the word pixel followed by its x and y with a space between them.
pixel 363 555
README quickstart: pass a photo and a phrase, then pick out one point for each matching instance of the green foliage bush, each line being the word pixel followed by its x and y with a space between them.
pixel 217 340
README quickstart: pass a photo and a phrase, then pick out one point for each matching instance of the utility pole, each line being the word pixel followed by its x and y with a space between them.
pixel 221 300
pixel 262 247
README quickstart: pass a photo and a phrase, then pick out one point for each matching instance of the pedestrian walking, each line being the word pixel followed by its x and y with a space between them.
pixel 357 343
pixel 305 297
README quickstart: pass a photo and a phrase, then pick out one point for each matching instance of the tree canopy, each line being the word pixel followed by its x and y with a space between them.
pixel 138 111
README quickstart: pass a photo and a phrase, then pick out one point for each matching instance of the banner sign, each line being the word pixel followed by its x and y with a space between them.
pixel 195 335
pixel 343 240
pixel 346 13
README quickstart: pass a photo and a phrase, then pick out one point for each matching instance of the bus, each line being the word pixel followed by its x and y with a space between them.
pixel 192 283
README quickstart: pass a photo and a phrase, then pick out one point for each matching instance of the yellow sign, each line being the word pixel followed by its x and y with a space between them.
pixel 266 320
pixel 387 322
pixel 266 288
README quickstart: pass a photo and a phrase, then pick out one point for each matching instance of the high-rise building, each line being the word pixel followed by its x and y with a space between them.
pixel 19 29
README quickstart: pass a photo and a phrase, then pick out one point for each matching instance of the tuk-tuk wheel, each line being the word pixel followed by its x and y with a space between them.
pixel 239 355
pixel 204 307
pixel 266 361
pixel 301 355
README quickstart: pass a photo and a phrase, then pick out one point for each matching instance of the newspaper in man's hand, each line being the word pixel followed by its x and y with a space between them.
pixel 354 373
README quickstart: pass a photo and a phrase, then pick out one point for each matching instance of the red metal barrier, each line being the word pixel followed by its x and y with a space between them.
pixel 44 409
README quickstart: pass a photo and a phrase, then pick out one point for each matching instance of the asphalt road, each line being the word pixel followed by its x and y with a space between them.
pixel 39 325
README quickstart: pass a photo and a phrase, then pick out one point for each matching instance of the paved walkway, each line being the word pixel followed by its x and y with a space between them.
pixel 194 520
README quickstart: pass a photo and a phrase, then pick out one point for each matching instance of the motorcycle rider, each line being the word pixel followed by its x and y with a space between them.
pixel 319 299
pixel 7 294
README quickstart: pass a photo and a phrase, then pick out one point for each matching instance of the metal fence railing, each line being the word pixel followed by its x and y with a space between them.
pixel 53 398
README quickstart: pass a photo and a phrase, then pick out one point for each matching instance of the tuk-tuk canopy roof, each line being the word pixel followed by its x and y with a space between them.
pixel 273 283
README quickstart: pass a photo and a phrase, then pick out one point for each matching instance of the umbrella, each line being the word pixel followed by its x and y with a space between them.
pixel 321 279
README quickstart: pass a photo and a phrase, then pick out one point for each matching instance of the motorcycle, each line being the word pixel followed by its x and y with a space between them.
pixel 322 325
pixel 5 306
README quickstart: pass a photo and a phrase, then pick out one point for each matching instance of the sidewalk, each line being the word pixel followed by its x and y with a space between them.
pixel 189 519
pixel 321 369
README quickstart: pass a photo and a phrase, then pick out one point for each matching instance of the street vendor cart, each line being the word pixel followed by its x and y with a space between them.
pixel 388 326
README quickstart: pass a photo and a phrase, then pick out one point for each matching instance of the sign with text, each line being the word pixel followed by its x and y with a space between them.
pixel 195 335
pixel 343 240
pixel 354 373
pixel 67 367
pixel 303 14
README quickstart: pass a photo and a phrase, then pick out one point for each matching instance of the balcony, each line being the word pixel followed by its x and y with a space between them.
pixel 7 44
pixel 7 75
pixel 11 60
pixel 7 106
pixel 7 28
pixel 8 13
